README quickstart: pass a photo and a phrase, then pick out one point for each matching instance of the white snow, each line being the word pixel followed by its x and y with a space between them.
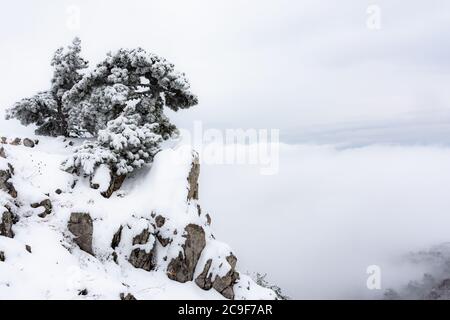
pixel 3 164
pixel 58 269
pixel 102 177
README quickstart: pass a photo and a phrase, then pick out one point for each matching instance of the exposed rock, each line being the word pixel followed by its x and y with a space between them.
pixel 115 257
pixel 2 153
pixel 116 238
pixel 16 142
pixel 204 280
pixel 2 256
pixel 139 258
pixel 46 204
pixel 5 185
pixel 83 292
pixel 232 260
pixel 94 186
pixel 6 223
pixel 208 219
pixel 164 241
pixel 128 296
pixel 160 220
pixel 115 184
pixel 28 248
pixel 182 268
pixel 3 140
pixel 81 226
pixel 228 292
pixel 224 285
pixel 142 238
pixel 28 143
pixel 58 191
pixel 193 179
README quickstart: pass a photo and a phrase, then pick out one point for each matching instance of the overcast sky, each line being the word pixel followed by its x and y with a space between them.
pixel 304 67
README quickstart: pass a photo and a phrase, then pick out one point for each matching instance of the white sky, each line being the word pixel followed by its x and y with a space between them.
pixel 292 65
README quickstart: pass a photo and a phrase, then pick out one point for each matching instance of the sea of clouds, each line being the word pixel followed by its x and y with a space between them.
pixel 330 213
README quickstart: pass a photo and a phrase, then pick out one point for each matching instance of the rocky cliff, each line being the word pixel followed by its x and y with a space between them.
pixel 60 238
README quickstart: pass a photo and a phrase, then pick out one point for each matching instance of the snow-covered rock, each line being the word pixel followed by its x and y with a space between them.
pixel 148 240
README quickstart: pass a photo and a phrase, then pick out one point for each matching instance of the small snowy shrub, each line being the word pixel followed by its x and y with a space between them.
pixel 260 279
pixel 124 146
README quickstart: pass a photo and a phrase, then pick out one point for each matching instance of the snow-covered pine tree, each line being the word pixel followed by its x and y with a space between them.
pixel 45 109
pixel 121 102
pixel 128 80
pixel 67 65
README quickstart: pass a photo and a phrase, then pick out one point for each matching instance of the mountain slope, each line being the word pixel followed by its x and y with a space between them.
pixel 61 239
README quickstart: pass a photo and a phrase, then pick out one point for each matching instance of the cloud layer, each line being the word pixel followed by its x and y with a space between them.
pixel 329 214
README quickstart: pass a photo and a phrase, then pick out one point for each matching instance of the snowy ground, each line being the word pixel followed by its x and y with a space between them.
pixel 42 260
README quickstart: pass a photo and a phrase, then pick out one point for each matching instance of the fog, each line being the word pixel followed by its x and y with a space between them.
pixel 328 214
